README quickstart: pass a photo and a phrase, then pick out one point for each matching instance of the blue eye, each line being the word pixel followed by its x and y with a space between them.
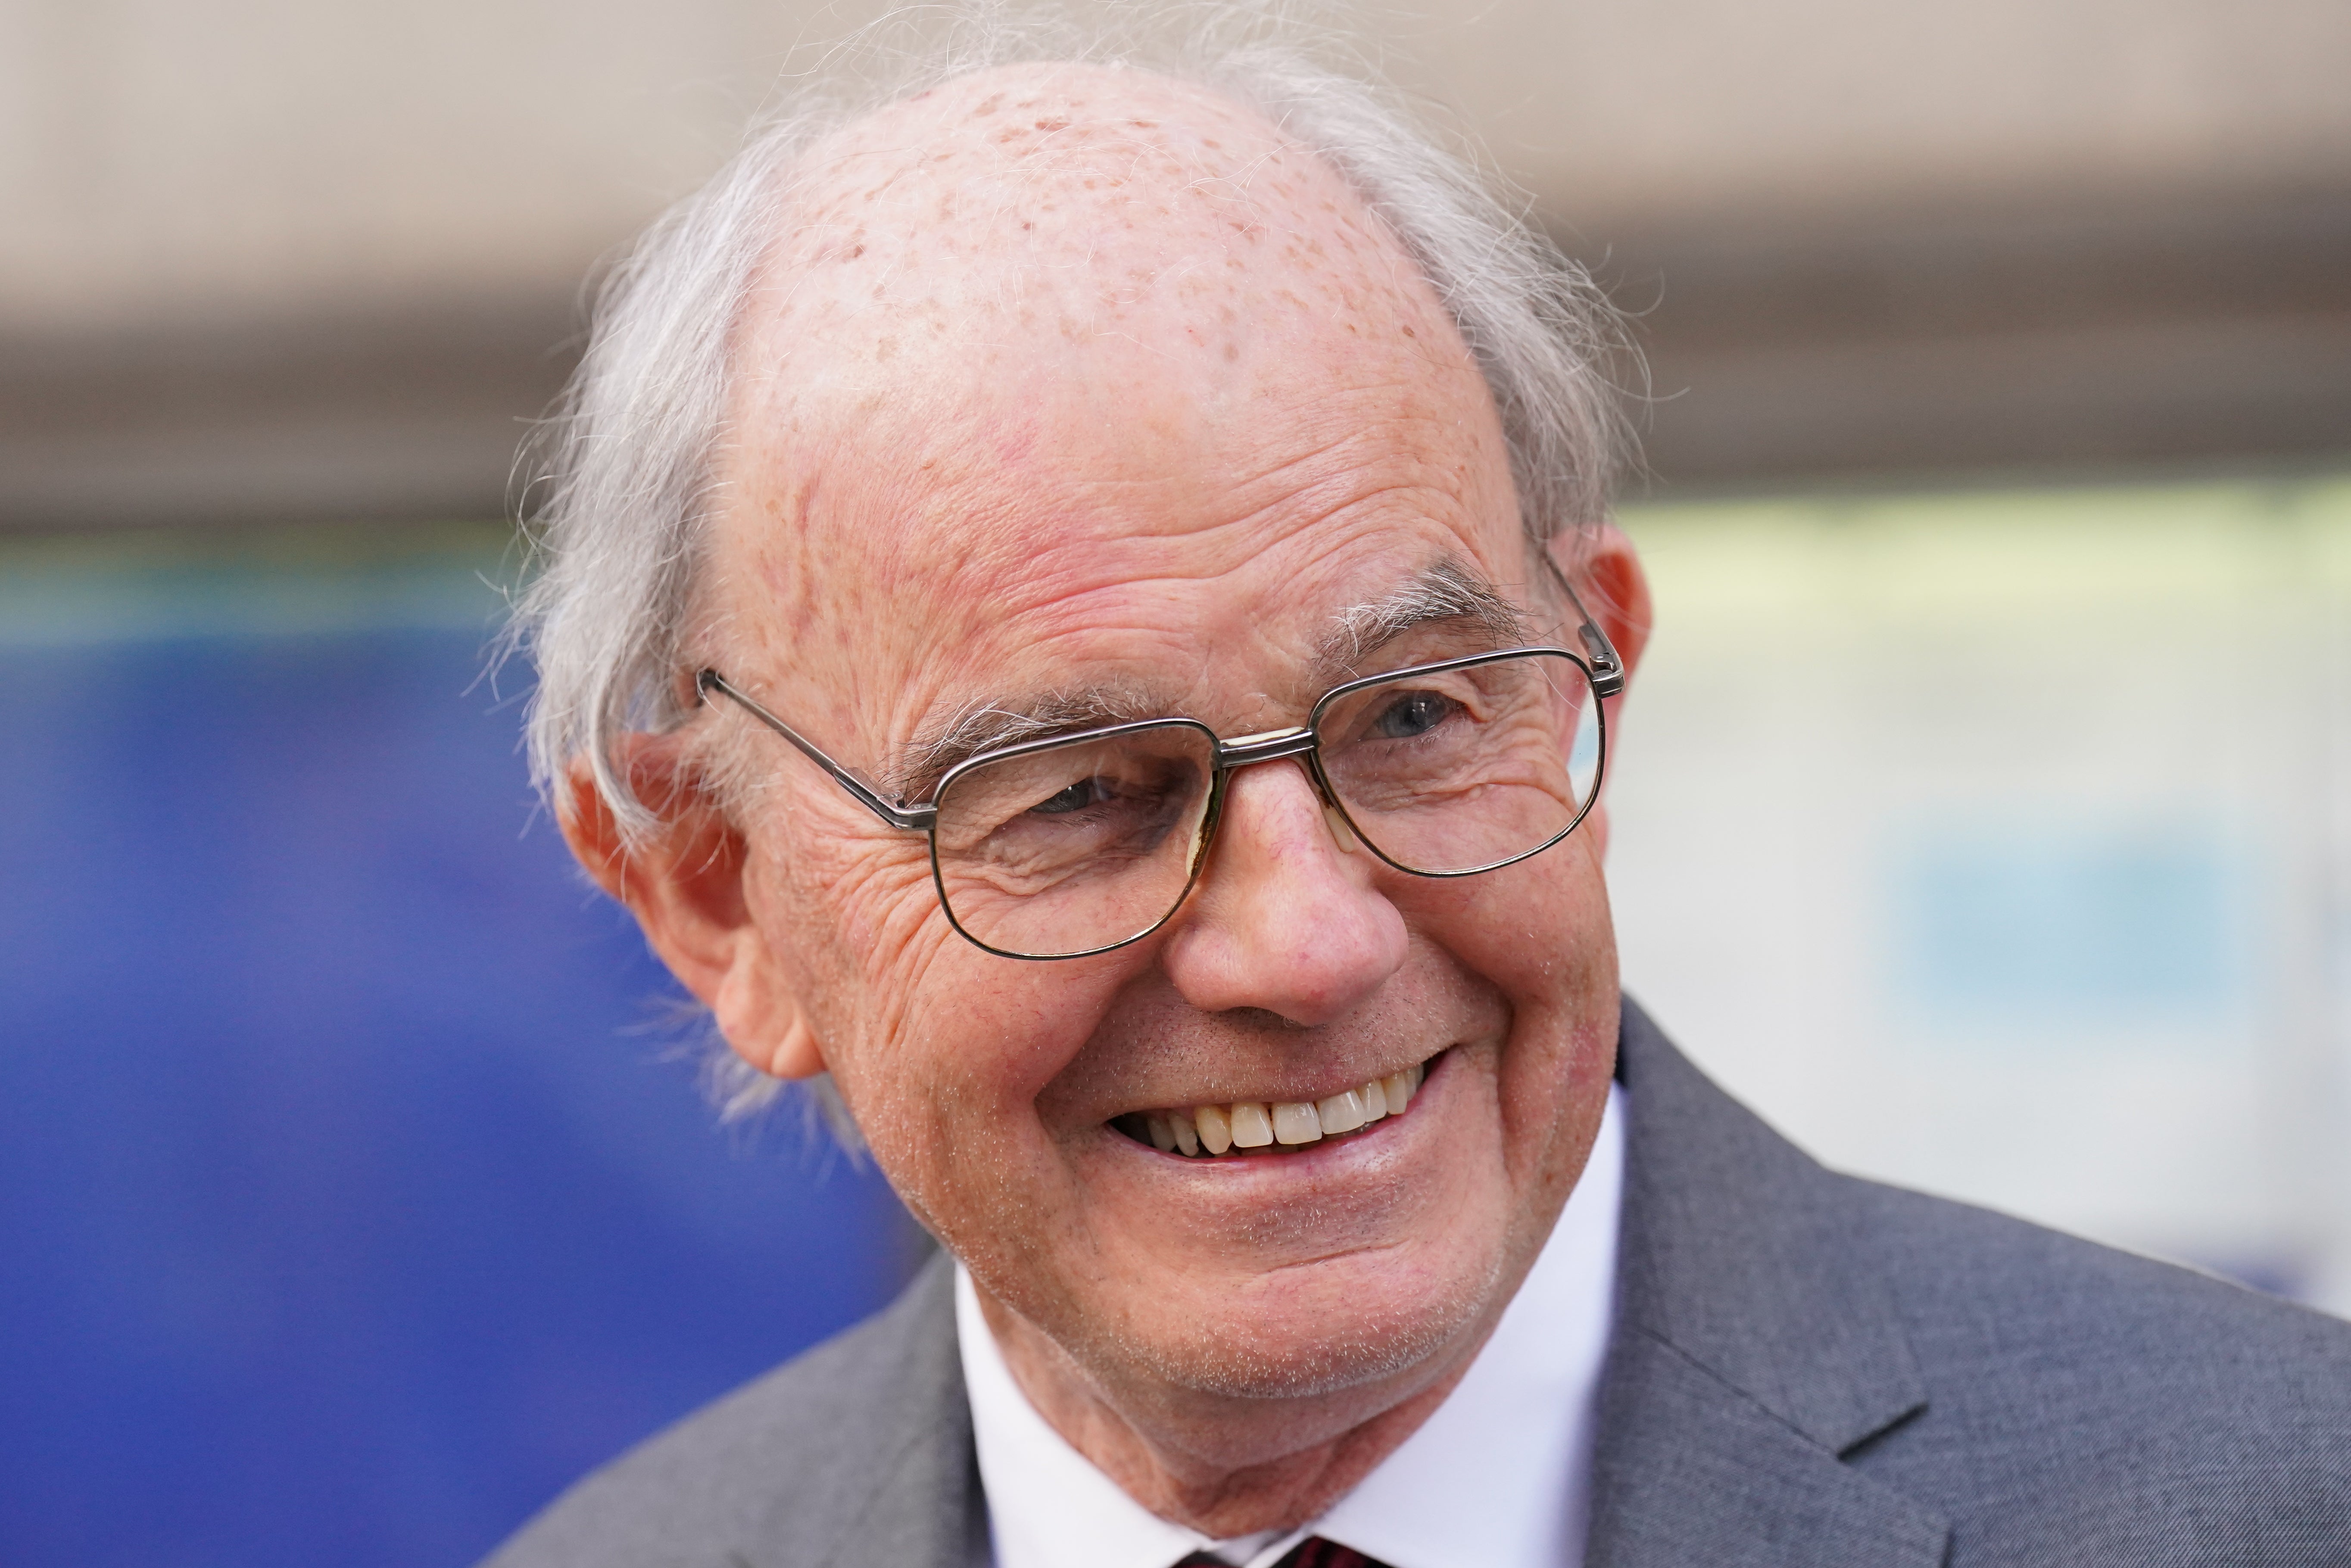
pixel 1077 797
pixel 1411 714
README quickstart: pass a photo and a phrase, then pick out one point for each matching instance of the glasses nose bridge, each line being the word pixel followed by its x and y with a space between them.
pixel 1296 742
pixel 1269 746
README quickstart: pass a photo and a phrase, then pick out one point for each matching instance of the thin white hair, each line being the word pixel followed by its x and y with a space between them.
pixel 618 486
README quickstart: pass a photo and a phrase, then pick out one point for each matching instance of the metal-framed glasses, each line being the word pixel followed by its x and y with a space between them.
pixel 1078 844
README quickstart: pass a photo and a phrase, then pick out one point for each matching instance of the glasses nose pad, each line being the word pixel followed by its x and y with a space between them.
pixel 1204 830
pixel 1341 828
pixel 1342 832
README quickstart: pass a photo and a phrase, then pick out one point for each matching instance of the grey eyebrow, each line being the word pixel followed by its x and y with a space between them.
pixel 1446 591
pixel 987 726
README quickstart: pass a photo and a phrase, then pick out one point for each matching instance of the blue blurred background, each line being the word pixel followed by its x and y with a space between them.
pixel 349 1208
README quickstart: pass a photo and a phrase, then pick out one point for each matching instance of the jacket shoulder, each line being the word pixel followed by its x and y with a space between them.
pixel 1798 1349
pixel 857 1446
pixel 2131 1408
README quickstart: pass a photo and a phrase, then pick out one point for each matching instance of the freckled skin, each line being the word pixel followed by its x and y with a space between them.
pixel 1071 377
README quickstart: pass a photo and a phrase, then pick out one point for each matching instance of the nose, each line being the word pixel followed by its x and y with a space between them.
pixel 1284 919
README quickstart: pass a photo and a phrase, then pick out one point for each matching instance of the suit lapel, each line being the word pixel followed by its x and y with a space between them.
pixel 1755 1343
pixel 899 1486
pixel 1692 1471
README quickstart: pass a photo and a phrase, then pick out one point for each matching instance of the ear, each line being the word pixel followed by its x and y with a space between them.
pixel 1607 575
pixel 685 881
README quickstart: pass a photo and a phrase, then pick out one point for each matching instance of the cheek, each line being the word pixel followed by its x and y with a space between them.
pixel 943 1080
pixel 1538 931
pixel 1540 934
pixel 940 1050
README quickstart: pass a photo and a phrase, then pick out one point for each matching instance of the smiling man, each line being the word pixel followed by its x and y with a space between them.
pixel 1079 615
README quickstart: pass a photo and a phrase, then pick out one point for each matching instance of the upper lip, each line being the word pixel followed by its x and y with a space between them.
pixel 1288 1094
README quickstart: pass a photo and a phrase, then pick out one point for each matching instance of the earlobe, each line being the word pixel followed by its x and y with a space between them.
pixel 796 1055
pixel 762 1024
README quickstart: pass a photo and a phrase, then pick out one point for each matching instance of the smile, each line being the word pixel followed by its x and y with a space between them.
pixel 1272 1126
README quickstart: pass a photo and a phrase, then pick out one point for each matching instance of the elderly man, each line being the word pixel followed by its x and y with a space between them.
pixel 1079 608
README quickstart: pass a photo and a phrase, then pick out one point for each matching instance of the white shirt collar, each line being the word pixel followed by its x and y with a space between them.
pixel 1498 1477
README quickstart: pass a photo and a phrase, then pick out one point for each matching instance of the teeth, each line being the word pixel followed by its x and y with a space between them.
pixel 1254 1123
pixel 1341 1112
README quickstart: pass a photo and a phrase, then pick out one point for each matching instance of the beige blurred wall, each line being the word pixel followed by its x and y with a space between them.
pixel 266 156
pixel 1670 113
pixel 381 214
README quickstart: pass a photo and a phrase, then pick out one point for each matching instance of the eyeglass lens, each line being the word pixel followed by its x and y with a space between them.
pixel 1070 848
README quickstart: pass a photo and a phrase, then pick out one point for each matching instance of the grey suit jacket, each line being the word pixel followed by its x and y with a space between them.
pixel 1805 1369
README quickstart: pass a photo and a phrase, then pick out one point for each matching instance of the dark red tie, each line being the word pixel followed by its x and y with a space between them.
pixel 1316 1553
pixel 1311 1553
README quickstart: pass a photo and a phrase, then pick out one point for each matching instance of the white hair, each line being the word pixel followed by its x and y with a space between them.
pixel 619 482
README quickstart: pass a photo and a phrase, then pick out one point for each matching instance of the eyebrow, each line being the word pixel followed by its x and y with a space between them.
pixel 1447 592
pixel 987 726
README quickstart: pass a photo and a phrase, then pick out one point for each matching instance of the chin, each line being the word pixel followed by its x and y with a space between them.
pixel 1317 1329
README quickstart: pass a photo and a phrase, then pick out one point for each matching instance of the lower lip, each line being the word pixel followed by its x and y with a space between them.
pixel 1277 1153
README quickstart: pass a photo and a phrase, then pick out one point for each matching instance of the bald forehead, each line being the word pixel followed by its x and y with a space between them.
pixel 1071 202
pixel 1057 349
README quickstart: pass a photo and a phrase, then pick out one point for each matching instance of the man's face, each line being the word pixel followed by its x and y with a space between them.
pixel 1014 442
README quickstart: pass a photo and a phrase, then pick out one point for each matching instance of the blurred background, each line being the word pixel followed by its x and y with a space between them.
pixel 1983 815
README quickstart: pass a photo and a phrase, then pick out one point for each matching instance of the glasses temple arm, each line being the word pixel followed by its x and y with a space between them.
pixel 917 817
pixel 1607 669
